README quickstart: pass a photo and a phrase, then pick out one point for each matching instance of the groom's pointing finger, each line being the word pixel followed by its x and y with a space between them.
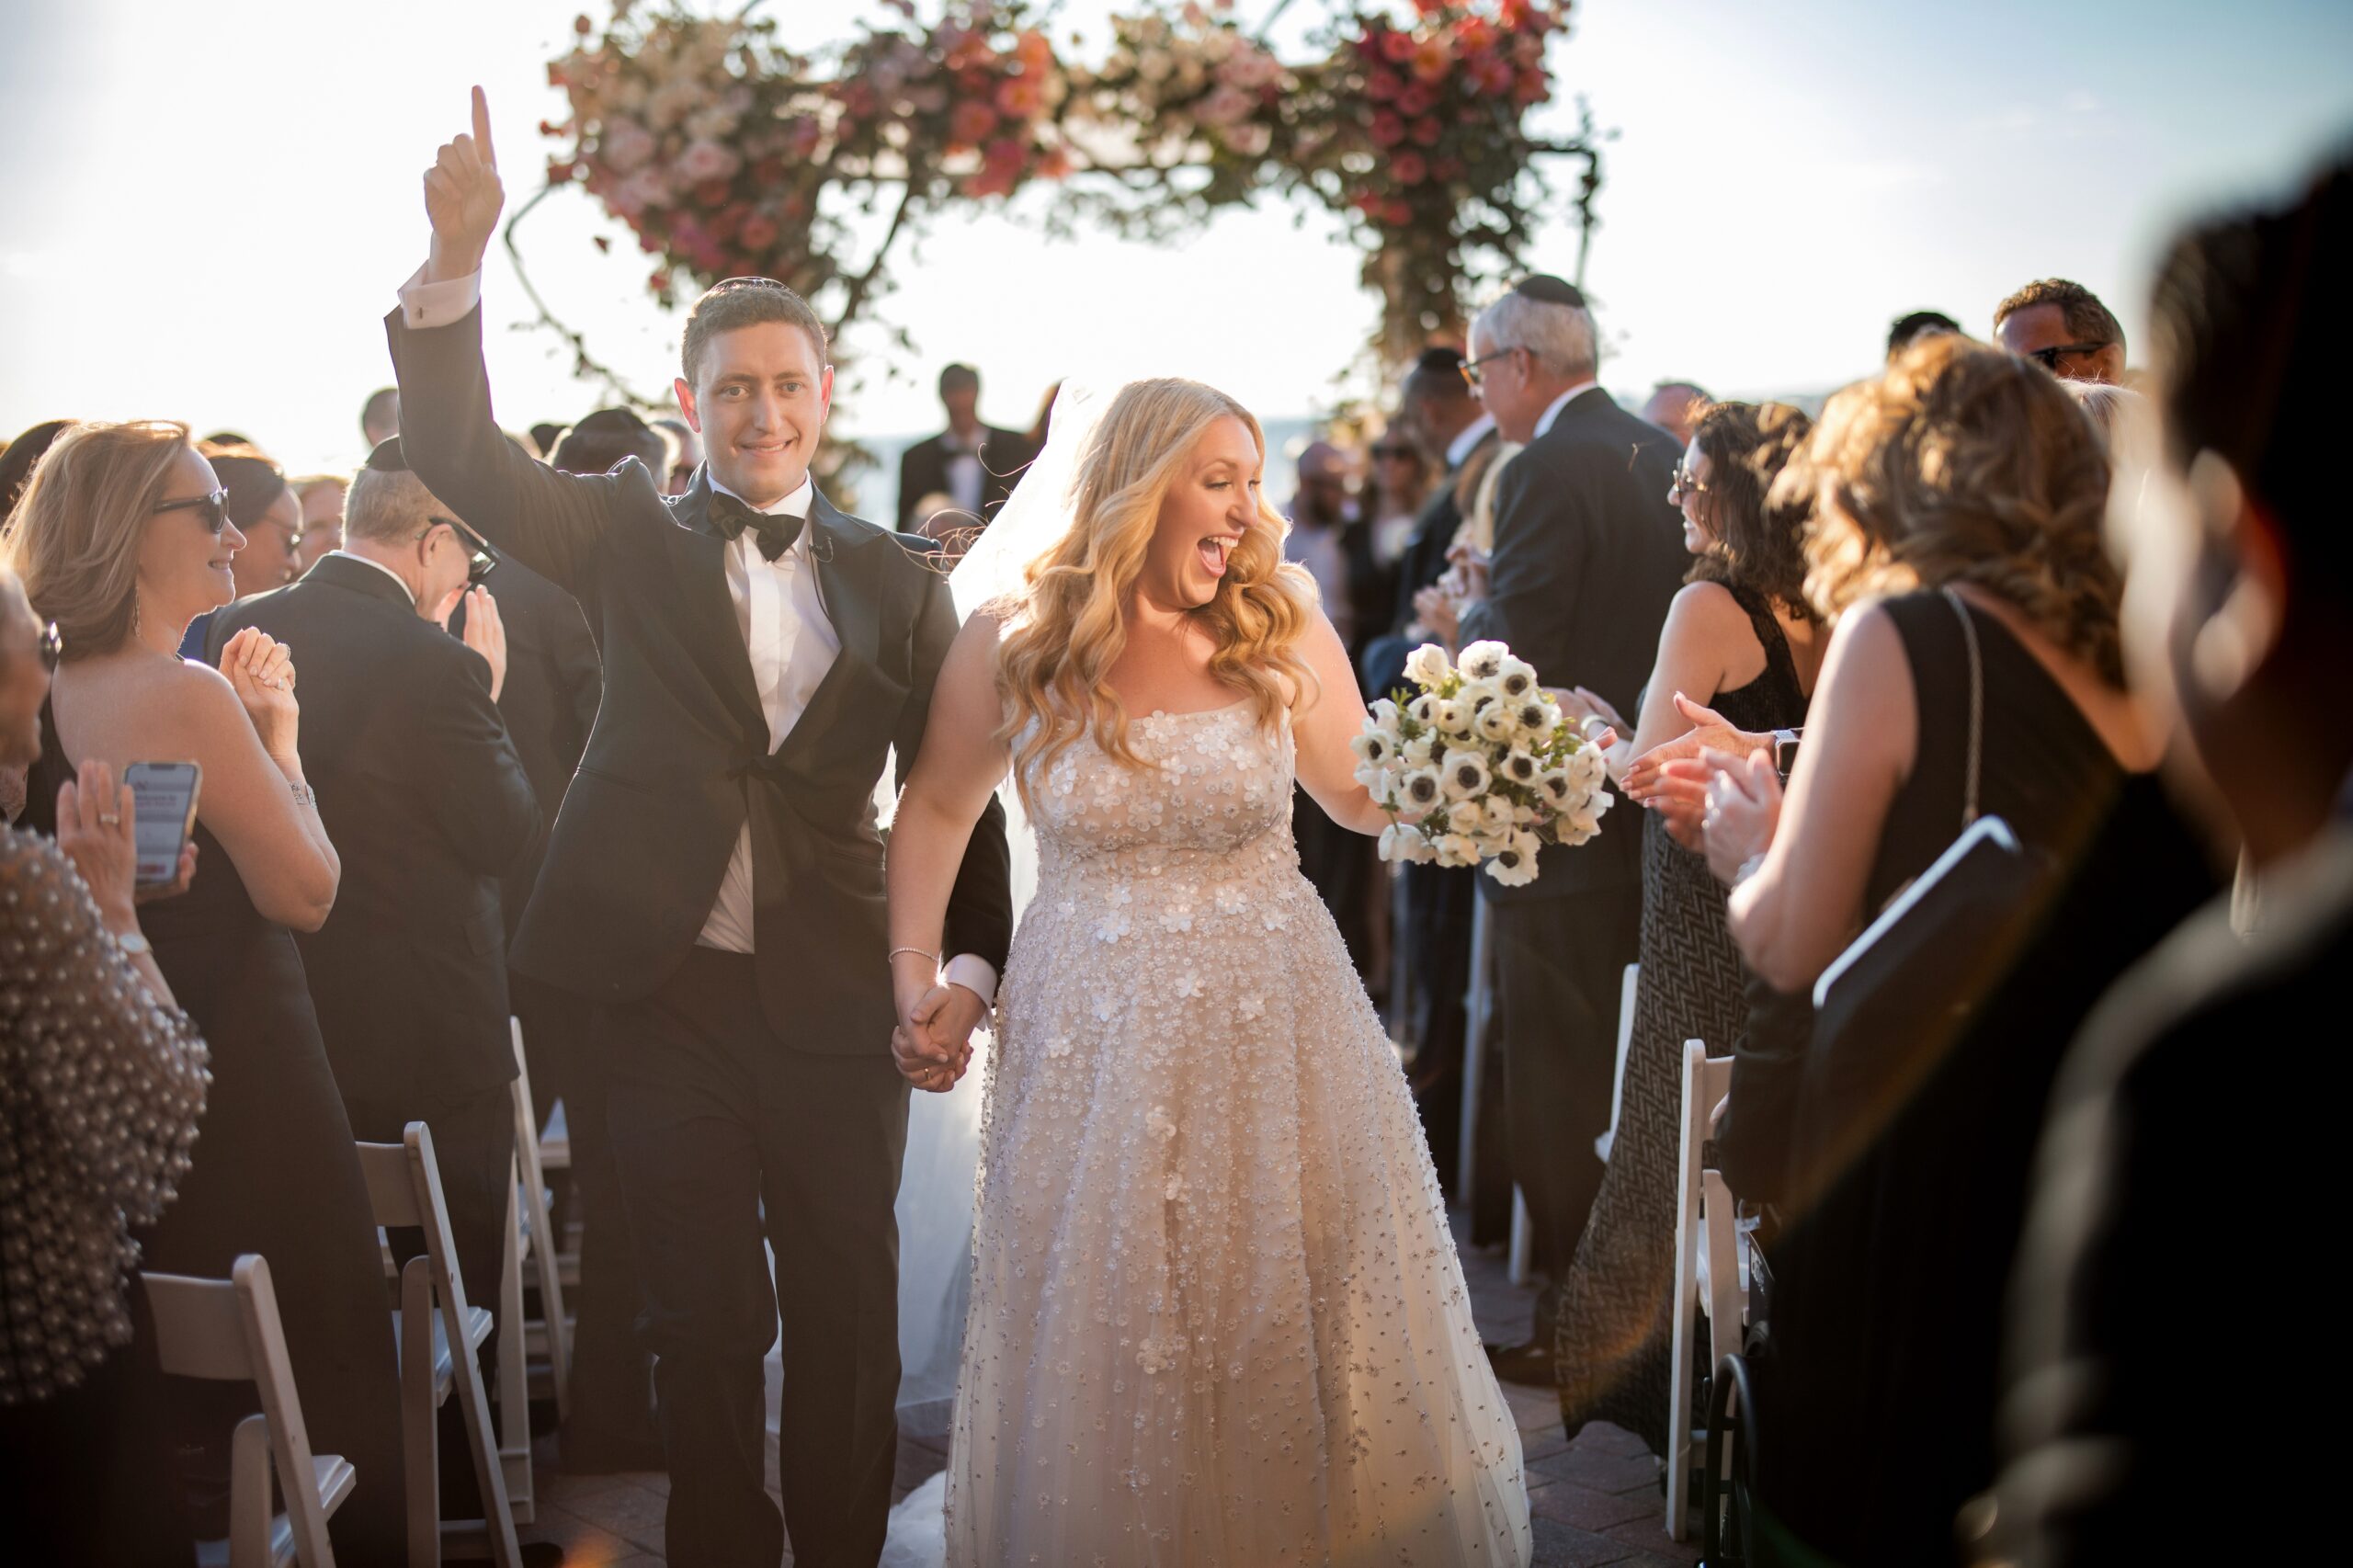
pixel 481 129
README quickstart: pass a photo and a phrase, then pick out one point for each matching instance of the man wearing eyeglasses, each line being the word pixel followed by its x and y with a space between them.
pixel 1586 558
pixel 2063 326
pixel 425 797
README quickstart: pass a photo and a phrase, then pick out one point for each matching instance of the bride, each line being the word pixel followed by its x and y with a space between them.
pixel 1216 1315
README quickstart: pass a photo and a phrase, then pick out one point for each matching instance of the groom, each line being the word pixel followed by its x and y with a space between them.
pixel 715 877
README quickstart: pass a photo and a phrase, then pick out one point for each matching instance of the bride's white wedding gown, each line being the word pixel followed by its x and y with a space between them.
pixel 1216 1313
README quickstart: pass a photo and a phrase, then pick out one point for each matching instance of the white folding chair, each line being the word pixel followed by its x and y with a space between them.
pixel 1710 1269
pixel 1609 1141
pixel 228 1331
pixel 547 1338
pixel 440 1338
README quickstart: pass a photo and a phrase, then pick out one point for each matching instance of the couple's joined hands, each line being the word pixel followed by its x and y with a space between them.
pixel 933 1041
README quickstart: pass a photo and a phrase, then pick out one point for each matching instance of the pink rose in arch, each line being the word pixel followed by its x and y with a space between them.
pixel 705 159
pixel 759 233
pixel 625 146
pixel 971 123
pixel 1408 168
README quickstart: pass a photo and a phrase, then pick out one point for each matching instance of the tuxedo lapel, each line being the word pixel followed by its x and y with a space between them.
pixel 850 590
pixel 713 639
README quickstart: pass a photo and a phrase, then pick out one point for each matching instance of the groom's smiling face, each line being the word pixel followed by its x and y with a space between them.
pixel 759 401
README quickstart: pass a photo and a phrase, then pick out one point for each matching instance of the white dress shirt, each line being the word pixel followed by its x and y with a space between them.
pixel 963 470
pixel 1562 402
pixel 786 635
pixel 405 589
pixel 1466 442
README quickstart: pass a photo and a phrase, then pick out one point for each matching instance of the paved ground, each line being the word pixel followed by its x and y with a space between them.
pixel 1595 1501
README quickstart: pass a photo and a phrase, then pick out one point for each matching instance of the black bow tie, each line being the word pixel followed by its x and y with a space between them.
pixel 776 530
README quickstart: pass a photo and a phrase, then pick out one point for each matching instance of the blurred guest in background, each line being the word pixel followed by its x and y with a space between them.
pixel 1675 407
pixel 544 436
pixel 1394 497
pixel 686 453
pixel 1906 330
pixel 1436 411
pixel 380 417
pixel 1588 556
pixel 2238 619
pixel 2062 327
pixel 109 1079
pixel 975 464
pixel 1328 537
pixel 122 539
pixel 321 497
pixel 17 462
pixel 1741 638
pixel 603 440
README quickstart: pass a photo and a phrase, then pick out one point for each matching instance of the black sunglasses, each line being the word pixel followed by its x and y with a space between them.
pixel 212 510
pixel 1683 484
pixel 481 559
pixel 2050 357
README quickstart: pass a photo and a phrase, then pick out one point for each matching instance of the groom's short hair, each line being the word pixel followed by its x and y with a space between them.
pixel 736 302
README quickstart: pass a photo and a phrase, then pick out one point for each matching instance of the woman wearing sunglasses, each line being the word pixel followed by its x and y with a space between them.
pixel 122 538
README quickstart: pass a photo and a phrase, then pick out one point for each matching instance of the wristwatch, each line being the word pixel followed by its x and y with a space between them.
pixel 1785 752
pixel 133 943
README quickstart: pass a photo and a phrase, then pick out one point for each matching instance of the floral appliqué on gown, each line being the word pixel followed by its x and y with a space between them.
pixel 1216 1316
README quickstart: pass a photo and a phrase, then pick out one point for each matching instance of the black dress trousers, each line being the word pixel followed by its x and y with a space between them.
pixel 726 1136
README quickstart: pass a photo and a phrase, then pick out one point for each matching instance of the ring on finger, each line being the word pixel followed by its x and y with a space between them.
pixel 109 818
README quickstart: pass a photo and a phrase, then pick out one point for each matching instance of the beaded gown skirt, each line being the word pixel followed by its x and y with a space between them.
pixel 1216 1314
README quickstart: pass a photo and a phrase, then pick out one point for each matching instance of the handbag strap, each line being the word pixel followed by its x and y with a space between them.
pixel 1976 707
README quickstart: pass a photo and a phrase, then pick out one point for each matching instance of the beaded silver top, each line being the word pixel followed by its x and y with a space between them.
pixel 100 1089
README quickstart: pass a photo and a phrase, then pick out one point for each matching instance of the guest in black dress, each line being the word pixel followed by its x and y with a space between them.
pixel 1740 637
pixel 122 542
pixel 1970 479
pixel 102 1081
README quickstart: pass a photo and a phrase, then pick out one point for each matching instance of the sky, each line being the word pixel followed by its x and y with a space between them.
pixel 207 208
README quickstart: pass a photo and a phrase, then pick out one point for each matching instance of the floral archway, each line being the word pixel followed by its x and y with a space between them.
pixel 728 147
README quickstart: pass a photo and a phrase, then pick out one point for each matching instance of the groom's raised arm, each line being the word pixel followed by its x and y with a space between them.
pixel 552 522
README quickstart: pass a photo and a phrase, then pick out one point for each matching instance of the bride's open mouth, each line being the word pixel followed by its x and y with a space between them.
pixel 1216 549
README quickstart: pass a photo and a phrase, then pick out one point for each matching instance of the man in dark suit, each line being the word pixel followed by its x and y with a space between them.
pixel 2238 627
pixel 715 879
pixel 1586 558
pixel 429 806
pixel 1440 413
pixel 973 465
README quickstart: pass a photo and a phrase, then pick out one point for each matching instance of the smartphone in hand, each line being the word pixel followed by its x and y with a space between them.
pixel 165 794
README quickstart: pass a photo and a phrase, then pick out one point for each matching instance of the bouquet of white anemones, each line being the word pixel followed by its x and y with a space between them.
pixel 1478 766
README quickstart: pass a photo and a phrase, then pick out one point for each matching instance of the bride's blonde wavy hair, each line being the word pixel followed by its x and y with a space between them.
pixel 1067 627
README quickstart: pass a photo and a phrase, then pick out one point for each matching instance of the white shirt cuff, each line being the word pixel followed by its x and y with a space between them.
pixel 425 304
pixel 974 973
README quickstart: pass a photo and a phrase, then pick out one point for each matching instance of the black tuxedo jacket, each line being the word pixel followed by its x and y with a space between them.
pixel 553 684
pixel 428 806
pixel 679 758
pixel 1588 556
pixel 923 470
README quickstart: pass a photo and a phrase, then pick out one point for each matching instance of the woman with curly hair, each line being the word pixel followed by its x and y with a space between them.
pixel 1741 639
pixel 1216 1314
pixel 1957 547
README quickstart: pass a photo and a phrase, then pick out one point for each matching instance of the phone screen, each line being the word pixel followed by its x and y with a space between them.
pixel 165 794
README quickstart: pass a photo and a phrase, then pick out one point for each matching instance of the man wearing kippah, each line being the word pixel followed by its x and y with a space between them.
pixel 1587 555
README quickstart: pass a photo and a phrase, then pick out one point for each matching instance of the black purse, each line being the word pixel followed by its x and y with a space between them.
pixel 1888 1007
